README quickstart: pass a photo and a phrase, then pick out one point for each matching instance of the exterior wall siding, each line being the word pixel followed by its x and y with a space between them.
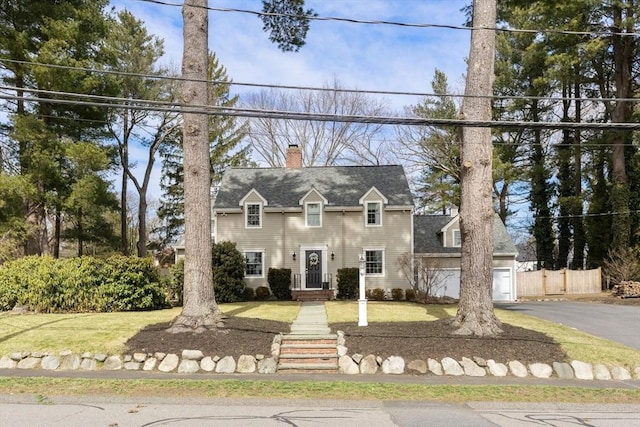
pixel 342 232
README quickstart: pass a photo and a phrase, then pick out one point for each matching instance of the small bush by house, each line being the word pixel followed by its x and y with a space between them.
pixel 377 294
pixel 262 293
pixel 348 281
pixel 228 272
pixel 397 294
pixel 279 280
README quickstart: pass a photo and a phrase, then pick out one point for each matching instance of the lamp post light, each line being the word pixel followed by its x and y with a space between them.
pixel 362 301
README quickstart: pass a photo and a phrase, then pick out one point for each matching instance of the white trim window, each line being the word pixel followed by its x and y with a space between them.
pixel 253 215
pixel 457 239
pixel 373 214
pixel 374 262
pixel 313 215
pixel 254 264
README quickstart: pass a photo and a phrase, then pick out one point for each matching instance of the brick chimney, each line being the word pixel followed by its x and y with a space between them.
pixel 294 157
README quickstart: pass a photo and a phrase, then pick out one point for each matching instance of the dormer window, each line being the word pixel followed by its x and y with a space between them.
pixel 374 213
pixel 253 215
pixel 314 214
pixel 457 239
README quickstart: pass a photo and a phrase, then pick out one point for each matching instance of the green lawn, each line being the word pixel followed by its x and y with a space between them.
pixel 107 332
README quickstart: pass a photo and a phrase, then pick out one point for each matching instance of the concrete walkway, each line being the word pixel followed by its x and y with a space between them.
pixel 311 320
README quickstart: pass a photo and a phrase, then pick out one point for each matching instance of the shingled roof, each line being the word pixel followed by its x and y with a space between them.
pixel 340 185
pixel 427 238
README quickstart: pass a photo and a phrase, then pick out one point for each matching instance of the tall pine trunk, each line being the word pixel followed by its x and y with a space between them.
pixel 623 57
pixel 199 311
pixel 475 314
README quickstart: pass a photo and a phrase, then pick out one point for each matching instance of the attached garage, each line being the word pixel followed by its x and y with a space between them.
pixel 502 284
pixel 437 246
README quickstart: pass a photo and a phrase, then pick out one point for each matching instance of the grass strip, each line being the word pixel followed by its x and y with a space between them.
pixel 312 390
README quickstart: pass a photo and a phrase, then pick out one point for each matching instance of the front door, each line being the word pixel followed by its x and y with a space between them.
pixel 313 269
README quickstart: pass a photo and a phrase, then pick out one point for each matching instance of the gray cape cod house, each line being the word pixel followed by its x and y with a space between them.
pixel 317 220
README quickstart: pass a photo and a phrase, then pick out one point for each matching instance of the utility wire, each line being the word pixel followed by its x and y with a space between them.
pixel 314 88
pixel 396 23
pixel 253 133
pixel 164 106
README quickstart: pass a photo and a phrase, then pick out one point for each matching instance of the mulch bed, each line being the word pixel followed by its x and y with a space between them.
pixel 240 336
pixel 435 340
pixel 409 340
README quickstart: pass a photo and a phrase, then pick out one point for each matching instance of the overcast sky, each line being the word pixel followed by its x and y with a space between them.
pixel 360 56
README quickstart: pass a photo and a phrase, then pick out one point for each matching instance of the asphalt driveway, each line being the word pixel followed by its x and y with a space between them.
pixel 620 323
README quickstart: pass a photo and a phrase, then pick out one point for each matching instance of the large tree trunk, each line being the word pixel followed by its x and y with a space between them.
pixel 200 310
pixel 623 51
pixel 475 311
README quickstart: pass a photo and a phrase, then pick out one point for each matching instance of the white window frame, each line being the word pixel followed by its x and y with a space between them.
pixel 306 214
pixel 382 262
pixel 254 251
pixel 457 239
pixel 246 215
pixel 366 214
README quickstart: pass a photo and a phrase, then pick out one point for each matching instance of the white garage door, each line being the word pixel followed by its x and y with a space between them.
pixel 449 284
pixel 502 284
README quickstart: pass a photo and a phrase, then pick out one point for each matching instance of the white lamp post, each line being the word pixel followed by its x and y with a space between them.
pixel 362 301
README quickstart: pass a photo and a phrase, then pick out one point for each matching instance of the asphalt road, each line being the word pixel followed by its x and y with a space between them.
pixel 620 323
pixel 120 412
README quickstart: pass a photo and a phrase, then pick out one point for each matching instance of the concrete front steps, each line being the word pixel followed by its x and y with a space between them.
pixel 309 353
pixel 313 295
pixel 310 347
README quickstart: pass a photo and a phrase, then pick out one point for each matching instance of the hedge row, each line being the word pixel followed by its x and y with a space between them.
pixel 86 284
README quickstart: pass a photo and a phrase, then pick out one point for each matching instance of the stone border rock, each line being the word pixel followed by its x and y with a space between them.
pixel 194 361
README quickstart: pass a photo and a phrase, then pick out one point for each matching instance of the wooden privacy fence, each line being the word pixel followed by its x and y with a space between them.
pixel 559 282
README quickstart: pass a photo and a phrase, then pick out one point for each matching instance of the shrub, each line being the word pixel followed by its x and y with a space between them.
pixel 279 280
pixel 410 294
pixel 622 264
pixel 377 294
pixel 397 294
pixel 262 293
pixel 249 294
pixel 133 284
pixel 228 272
pixel 348 281
pixel 174 286
pixel 83 284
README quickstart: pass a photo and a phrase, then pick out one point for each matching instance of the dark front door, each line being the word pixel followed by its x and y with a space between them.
pixel 313 269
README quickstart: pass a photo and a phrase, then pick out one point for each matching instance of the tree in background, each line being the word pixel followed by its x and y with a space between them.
pixel 67 33
pixel 91 199
pixel 323 143
pixel 580 170
pixel 225 136
pixel 14 192
pixel 135 53
pixel 434 149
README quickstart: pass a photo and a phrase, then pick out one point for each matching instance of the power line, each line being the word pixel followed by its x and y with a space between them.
pixel 396 23
pixel 165 106
pixel 590 215
pixel 315 88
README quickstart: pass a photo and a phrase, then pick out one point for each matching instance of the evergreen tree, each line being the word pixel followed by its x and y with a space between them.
pixel 65 33
pixel 225 137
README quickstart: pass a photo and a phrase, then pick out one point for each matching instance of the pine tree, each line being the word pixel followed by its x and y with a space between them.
pixel 225 137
